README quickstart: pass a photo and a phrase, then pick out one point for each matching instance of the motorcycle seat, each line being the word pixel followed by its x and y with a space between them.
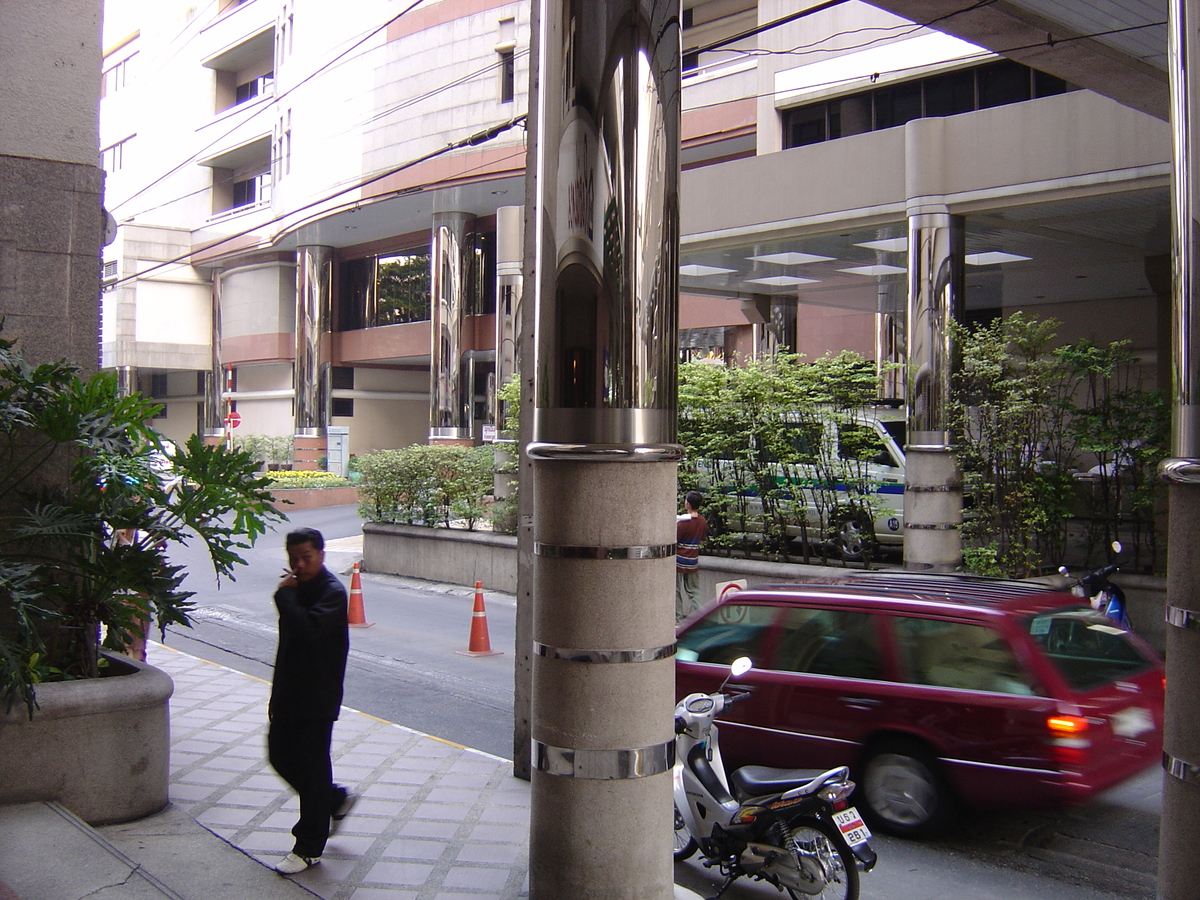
pixel 760 781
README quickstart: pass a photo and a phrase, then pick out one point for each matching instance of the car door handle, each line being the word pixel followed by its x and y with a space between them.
pixel 860 702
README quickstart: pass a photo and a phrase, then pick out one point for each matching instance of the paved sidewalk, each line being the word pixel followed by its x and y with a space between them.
pixel 436 821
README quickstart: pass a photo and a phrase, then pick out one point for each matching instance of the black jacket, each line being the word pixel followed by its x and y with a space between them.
pixel 313 643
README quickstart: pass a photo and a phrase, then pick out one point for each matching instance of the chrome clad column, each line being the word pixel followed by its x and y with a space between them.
pixel 933 483
pixel 606 169
pixel 510 231
pixel 213 419
pixel 1178 862
pixel 450 392
pixel 314 279
pixel 127 380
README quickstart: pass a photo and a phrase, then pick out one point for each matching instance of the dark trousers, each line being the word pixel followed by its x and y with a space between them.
pixel 299 752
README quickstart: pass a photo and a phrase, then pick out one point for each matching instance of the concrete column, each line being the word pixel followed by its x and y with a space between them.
pixel 932 480
pixel 451 368
pixel 1178 862
pixel 606 167
pixel 314 286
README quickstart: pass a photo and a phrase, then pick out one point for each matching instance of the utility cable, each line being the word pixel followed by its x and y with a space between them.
pixel 474 140
pixel 336 59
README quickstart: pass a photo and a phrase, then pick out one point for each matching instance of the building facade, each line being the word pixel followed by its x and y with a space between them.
pixel 315 203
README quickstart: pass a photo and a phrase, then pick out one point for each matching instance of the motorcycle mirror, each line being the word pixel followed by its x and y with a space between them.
pixel 1116 547
pixel 740 666
pixel 1062 570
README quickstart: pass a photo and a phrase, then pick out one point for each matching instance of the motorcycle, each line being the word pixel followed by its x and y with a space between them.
pixel 789 827
pixel 1106 597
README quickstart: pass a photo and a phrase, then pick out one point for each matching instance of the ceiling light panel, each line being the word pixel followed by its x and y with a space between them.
pixel 698 271
pixel 993 258
pixel 891 245
pixel 875 270
pixel 792 259
pixel 782 280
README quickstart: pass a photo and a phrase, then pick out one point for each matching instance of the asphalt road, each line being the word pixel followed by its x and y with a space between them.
pixel 406 668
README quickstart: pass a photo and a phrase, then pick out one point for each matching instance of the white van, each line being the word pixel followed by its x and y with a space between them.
pixel 844 485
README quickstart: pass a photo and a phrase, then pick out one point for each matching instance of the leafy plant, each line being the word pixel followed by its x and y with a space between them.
pixel 78 463
pixel 426 485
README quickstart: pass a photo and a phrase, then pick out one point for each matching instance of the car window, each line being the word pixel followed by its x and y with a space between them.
pixel 729 631
pixel 959 655
pixel 1086 647
pixel 829 642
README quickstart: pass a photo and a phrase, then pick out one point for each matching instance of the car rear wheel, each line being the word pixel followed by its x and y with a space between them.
pixel 903 791
pixel 855 538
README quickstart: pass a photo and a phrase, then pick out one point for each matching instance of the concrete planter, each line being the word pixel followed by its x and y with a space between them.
pixel 442 554
pixel 314 498
pixel 99 746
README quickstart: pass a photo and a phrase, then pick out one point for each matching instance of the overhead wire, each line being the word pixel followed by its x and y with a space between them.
pixel 338 58
pixel 479 137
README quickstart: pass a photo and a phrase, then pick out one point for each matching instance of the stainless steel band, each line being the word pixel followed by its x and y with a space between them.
pixel 572 551
pixel 1178 768
pixel 918 526
pixel 650 654
pixel 606 452
pixel 1180 471
pixel 934 488
pixel 1183 618
pixel 604 765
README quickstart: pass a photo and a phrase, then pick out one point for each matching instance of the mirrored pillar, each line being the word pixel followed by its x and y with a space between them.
pixel 933 482
pixel 314 285
pixel 1179 864
pixel 451 368
pixel 606 168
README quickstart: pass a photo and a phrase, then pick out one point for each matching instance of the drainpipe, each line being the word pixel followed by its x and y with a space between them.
pixel 1179 864
pixel 604 457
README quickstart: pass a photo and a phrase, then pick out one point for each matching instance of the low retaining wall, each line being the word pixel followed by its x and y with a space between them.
pixel 100 747
pixel 313 498
pixel 442 554
pixel 464 557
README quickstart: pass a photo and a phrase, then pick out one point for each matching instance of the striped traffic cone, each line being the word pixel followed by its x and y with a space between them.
pixel 480 644
pixel 357 616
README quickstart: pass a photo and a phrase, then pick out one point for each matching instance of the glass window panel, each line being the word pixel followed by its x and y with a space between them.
pixel 959 655
pixel 1086 647
pixel 829 642
pixel 1003 82
pixel 1045 85
pixel 849 115
pixel 897 105
pixel 805 126
pixel 950 94
pixel 729 631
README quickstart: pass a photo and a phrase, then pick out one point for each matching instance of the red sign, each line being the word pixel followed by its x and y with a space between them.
pixel 234 419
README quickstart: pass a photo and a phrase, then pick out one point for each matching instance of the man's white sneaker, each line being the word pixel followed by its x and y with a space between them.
pixel 293 864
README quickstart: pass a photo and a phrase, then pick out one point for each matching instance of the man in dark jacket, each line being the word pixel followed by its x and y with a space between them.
pixel 306 694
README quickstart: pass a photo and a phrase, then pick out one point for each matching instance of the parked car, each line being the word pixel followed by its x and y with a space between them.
pixel 939 691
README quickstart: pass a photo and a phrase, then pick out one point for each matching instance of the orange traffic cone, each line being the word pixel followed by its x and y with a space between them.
pixel 480 644
pixel 357 616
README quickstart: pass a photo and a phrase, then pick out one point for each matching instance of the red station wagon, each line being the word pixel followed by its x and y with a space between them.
pixel 935 689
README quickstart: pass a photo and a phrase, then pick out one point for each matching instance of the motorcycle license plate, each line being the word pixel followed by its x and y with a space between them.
pixel 852 827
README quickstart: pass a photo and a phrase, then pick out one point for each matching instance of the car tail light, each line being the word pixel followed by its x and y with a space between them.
pixel 1067 739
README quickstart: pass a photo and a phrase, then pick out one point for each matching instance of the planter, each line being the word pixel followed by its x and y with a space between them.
pixel 99 746
pixel 314 498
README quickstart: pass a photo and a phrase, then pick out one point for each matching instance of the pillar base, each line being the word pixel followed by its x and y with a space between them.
pixel 308 453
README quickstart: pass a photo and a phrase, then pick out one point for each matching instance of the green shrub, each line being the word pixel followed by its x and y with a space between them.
pixel 305 479
pixel 426 485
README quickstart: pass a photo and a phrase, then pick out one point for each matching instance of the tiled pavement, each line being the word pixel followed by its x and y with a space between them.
pixel 436 821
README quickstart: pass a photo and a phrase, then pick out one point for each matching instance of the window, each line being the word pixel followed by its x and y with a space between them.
pixel 342 378
pixel 1086 648
pixel 943 653
pixel 250 89
pixel 508 78
pixel 112 159
pixel 342 407
pixel 947 94
pixel 829 642
pixel 729 631
pixel 115 77
pixel 248 190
